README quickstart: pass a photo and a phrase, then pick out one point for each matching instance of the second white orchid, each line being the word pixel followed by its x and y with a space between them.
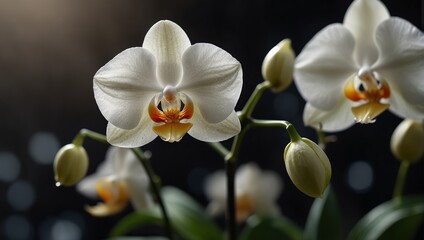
pixel 356 70
pixel 168 88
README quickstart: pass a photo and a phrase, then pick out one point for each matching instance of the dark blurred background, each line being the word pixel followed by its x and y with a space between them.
pixel 50 50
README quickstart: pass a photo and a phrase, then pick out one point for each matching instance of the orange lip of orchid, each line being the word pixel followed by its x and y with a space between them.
pixel 169 111
pixel 370 90
pixel 114 195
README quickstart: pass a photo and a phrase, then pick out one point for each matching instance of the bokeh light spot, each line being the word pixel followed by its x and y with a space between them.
pixel 360 176
pixel 17 227
pixel 10 167
pixel 21 195
pixel 65 230
pixel 43 146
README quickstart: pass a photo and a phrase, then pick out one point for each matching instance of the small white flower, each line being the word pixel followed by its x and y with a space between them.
pixel 119 179
pixel 167 88
pixel 256 192
pixel 356 70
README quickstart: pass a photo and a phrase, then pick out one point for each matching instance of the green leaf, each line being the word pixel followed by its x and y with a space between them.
pixel 270 228
pixel 324 219
pixel 188 218
pixel 391 220
pixel 134 220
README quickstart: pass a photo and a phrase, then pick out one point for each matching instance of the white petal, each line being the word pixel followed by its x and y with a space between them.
pixel 137 137
pixel 213 80
pixel 324 65
pixel 138 190
pixel 404 109
pixel 168 42
pixel 215 187
pixel 271 186
pixel 106 168
pixel 214 132
pixel 125 85
pixel 362 19
pixel 401 63
pixel 338 119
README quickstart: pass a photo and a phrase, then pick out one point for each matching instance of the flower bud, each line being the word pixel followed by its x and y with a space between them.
pixel 70 165
pixel 407 143
pixel 308 166
pixel 278 65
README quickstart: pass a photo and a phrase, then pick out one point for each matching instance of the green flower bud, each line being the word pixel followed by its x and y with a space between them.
pixel 407 143
pixel 308 166
pixel 70 165
pixel 278 65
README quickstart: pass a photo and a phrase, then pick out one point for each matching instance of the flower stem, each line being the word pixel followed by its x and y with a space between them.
pixel 247 110
pixel 230 169
pixel 145 161
pixel 154 179
pixel 400 180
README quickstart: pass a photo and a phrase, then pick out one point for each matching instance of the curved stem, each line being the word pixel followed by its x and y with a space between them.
pixel 400 180
pixel 219 148
pixel 154 179
pixel 247 110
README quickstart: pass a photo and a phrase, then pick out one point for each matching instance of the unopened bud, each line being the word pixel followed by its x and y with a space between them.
pixel 70 165
pixel 407 143
pixel 278 65
pixel 307 166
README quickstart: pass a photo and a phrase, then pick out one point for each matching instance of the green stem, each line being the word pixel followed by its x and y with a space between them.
pixel 291 130
pixel 154 179
pixel 219 148
pixel 400 180
pixel 246 112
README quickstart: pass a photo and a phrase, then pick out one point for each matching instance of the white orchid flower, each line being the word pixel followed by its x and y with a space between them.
pixel 256 192
pixel 169 87
pixel 356 70
pixel 118 180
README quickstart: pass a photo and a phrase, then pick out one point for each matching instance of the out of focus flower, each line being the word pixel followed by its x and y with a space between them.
pixel 256 192
pixel 70 165
pixel 308 166
pixel 118 180
pixel 167 88
pixel 356 70
pixel 278 65
pixel 407 143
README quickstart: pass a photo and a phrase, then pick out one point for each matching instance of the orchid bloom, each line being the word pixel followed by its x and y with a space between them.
pixel 168 88
pixel 118 180
pixel 256 192
pixel 356 70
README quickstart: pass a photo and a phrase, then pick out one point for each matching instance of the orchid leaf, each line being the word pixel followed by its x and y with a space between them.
pixel 324 219
pixel 394 219
pixel 270 228
pixel 187 217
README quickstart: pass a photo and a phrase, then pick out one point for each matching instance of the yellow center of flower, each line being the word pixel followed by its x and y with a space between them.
pixel 369 91
pixel 169 111
pixel 114 194
pixel 244 207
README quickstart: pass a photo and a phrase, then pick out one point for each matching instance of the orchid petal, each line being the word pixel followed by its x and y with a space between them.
pixel 168 42
pixel 87 186
pixel 324 65
pixel 139 192
pixel 214 132
pixel 362 19
pixel 141 135
pixel 337 119
pixel 213 80
pixel 401 63
pixel 404 109
pixel 125 85
pixel 105 209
